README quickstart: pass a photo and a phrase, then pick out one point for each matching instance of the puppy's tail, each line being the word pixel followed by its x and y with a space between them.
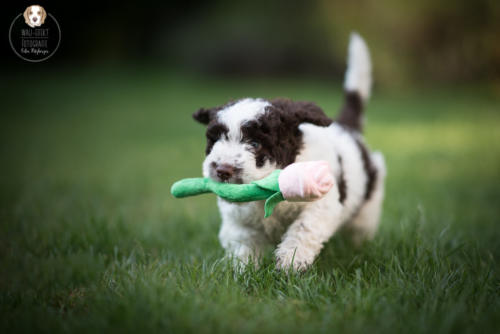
pixel 357 83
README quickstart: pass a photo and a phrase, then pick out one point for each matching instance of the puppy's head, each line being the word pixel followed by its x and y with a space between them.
pixel 34 16
pixel 249 138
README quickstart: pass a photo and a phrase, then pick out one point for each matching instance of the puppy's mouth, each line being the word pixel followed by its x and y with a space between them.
pixel 225 173
pixel 232 181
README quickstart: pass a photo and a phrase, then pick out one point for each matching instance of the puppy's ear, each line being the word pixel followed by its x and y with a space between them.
pixel 44 15
pixel 26 15
pixel 204 116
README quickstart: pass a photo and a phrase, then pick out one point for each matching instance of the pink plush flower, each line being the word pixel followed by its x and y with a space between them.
pixel 305 181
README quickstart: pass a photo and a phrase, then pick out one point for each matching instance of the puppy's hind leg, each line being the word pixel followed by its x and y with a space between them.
pixel 364 225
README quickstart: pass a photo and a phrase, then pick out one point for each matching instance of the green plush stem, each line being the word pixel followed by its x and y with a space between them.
pixel 229 191
pixel 264 189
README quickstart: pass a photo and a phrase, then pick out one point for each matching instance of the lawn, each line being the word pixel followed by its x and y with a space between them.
pixel 92 241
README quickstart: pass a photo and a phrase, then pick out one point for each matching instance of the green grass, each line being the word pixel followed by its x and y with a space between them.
pixel 92 241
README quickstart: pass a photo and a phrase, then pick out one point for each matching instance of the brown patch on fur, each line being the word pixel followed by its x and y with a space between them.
pixel 352 112
pixel 370 170
pixel 341 182
pixel 205 115
pixel 215 131
pixel 277 130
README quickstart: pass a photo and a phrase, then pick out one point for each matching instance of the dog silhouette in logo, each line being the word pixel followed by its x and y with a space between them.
pixel 35 16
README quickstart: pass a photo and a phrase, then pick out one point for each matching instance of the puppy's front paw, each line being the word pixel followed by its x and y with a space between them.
pixel 242 257
pixel 295 258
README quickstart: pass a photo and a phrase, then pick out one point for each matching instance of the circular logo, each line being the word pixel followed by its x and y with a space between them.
pixel 35 34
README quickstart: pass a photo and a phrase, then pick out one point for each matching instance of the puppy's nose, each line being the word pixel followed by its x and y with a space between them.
pixel 224 171
pixel 34 19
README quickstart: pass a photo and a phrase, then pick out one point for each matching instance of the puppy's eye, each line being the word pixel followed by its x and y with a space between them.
pixel 255 144
pixel 38 13
pixel 31 12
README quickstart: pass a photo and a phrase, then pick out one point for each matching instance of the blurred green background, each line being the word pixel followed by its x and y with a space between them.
pixel 92 139
pixel 412 42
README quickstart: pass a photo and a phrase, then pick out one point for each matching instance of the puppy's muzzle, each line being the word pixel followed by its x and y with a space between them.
pixel 225 171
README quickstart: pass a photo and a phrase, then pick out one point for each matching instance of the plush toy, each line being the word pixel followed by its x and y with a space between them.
pixel 298 182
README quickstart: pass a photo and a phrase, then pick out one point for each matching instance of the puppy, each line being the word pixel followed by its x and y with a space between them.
pixel 249 138
pixel 34 16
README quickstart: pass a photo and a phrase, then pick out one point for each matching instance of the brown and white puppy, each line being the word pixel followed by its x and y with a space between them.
pixel 34 16
pixel 250 138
